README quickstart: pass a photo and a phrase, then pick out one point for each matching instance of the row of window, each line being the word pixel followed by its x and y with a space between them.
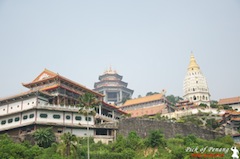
pixel 43 115
pixel 68 117
pixel 17 106
pixel 16 119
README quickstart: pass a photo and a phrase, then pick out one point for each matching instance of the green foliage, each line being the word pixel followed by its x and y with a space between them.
pixel 190 119
pixel 156 139
pixel 155 146
pixel 151 93
pixel 44 137
pixel 212 123
pixel 68 145
pixel 203 105
pixel 12 150
pixel 173 99
pixel 88 102
pixel 226 107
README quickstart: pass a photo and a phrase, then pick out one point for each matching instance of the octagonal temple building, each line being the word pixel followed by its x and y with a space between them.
pixel 195 84
pixel 110 84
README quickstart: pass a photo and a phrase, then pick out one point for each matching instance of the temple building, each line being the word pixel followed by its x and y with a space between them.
pixel 195 85
pixel 110 84
pixel 233 102
pixel 52 100
pixel 146 106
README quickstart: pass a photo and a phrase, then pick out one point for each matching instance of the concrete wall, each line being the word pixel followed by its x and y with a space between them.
pixel 144 126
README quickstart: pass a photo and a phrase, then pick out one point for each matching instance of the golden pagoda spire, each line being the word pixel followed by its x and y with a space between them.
pixel 193 64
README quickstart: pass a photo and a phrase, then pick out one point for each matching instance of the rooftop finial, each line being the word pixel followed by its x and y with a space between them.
pixel 110 71
pixel 193 64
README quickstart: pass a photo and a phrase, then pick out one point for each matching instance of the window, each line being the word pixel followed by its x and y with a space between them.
pixel 194 98
pixel 88 119
pixel 68 117
pixel 16 119
pixel 31 116
pixel 25 117
pixel 10 120
pixel 56 116
pixel 43 115
pixel 78 118
pixel 3 122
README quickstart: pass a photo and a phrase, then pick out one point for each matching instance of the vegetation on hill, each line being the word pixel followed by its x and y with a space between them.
pixel 155 146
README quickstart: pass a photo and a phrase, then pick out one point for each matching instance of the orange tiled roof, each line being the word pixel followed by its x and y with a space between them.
pixel 147 110
pixel 143 99
pixel 229 100
pixel 51 75
pixel 235 119
pixel 46 72
pixel 50 87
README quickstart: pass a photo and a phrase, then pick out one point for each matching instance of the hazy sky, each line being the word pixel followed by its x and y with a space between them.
pixel 148 42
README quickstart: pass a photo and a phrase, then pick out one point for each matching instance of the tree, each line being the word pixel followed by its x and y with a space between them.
pixel 151 93
pixel 87 105
pixel 156 139
pixel 44 137
pixel 173 99
pixel 68 145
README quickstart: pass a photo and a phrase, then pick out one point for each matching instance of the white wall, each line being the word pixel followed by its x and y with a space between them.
pixel 28 120
pixel 82 132
pixel 14 107
pixel 29 103
pixel 12 124
pixel 3 109
pixel 61 121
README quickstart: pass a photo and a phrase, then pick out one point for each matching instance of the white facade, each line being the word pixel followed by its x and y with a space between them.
pixel 195 84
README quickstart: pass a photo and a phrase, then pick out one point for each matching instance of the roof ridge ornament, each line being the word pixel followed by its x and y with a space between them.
pixel 110 71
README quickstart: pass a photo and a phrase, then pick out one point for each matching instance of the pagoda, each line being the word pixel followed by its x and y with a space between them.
pixel 195 85
pixel 110 84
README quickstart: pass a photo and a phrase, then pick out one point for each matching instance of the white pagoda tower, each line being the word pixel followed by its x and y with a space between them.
pixel 195 84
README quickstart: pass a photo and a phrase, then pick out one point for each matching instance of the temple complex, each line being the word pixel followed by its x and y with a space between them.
pixel 195 84
pixel 52 100
pixel 110 84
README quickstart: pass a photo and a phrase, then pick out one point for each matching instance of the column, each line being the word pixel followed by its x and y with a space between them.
pixel 100 109
pixel 121 95
pixel 113 115
pixel 105 96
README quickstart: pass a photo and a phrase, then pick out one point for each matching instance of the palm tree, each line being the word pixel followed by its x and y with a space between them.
pixel 69 142
pixel 87 104
pixel 44 137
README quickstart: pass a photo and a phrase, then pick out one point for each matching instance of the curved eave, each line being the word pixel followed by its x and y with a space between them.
pixel 114 108
pixel 34 83
pixel 107 87
pixel 108 74
pixel 58 77
pixel 106 81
